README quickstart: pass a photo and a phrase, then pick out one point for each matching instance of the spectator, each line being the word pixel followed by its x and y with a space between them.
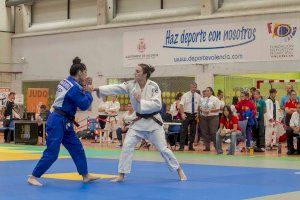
pixel 175 107
pixel 272 118
pixel 128 117
pixel 9 116
pixel 292 131
pixel 290 106
pixel 112 111
pixel 210 107
pixel 286 97
pixel 247 111
pixel 102 116
pixel 220 96
pixel 42 117
pixel 235 100
pixel 228 127
pixel 259 130
pixel 252 90
pixel 189 105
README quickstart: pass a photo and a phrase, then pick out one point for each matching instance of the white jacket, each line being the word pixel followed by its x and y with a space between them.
pixel 269 113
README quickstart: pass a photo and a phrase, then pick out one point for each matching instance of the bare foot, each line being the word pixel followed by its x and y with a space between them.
pixel 32 180
pixel 182 176
pixel 89 178
pixel 120 178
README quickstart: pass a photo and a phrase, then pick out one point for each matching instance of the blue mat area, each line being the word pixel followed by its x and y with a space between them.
pixel 149 180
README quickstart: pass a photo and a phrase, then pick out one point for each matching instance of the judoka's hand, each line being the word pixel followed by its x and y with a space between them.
pixel 88 88
pixel 137 97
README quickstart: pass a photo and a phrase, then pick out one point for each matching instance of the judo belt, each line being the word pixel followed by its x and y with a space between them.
pixel 148 116
pixel 69 117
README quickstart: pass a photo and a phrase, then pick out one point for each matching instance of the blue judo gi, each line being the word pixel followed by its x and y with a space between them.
pixel 69 97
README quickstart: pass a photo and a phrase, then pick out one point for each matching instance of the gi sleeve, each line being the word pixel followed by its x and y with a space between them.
pixel 109 90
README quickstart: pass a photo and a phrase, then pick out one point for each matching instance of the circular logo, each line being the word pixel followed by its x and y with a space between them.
pixel 283 30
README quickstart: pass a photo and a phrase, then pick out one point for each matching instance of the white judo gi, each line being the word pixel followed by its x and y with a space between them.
pixel 271 134
pixel 143 128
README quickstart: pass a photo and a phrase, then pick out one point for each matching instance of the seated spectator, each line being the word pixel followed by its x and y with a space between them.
pixel 126 120
pixel 292 131
pixel 228 127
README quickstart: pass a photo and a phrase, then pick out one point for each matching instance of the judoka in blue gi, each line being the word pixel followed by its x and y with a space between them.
pixel 70 95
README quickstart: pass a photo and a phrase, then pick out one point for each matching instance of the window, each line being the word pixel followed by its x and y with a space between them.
pixel 49 11
pixel 83 9
pixel 167 4
pixel 126 6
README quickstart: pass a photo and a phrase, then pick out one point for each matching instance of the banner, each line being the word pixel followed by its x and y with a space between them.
pixel 249 41
pixel 36 97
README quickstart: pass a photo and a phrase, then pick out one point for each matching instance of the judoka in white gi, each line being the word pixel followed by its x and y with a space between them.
pixel 145 97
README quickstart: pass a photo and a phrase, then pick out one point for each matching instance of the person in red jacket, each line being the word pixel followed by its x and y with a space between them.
pixel 247 111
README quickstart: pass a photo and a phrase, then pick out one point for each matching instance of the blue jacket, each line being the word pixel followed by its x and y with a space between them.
pixel 70 96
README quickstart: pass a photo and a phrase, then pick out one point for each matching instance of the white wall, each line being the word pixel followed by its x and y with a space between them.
pixel 49 57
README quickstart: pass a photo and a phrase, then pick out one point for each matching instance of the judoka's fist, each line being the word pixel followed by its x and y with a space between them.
pixel 88 81
pixel 88 88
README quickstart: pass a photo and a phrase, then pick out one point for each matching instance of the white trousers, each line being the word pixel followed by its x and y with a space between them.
pixel 156 137
pixel 271 134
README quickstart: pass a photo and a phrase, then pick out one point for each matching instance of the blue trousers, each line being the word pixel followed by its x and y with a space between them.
pixel 60 131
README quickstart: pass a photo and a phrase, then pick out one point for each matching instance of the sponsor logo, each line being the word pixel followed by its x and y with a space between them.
pixel 285 32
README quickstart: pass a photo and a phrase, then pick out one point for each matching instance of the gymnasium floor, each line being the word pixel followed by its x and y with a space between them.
pixel 210 176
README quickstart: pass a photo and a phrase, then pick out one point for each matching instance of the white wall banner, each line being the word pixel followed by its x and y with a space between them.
pixel 217 43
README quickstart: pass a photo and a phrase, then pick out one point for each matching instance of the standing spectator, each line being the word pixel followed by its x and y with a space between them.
pixel 247 111
pixel 126 120
pixel 294 130
pixel 252 90
pixel 286 97
pixel 228 126
pixel 235 100
pixel 290 106
pixel 189 105
pixel 259 130
pixel 112 111
pixel 210 107
pixel 272 118
pixel 9 116
pixel 220 96
pixel 102 116
pixel 41 117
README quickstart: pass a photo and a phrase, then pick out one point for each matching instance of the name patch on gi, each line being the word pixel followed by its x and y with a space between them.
pixel 65 84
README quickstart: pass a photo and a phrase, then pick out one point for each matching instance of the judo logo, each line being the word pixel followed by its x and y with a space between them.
pixel 141 47
pixel 283 31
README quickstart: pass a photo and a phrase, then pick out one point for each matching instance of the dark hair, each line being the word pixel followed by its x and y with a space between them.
pixel 235 100
pixel 212 91
pixel 178 95
pixel 11 93
pixel 293 91
pixel 219 92
pixel 198 92
pixel 43 107
pixel 253 89
pixel 194 83
pixel 229 110
pixel 77 66
pixel 257 90
pixel 147 69
pixel 271 91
